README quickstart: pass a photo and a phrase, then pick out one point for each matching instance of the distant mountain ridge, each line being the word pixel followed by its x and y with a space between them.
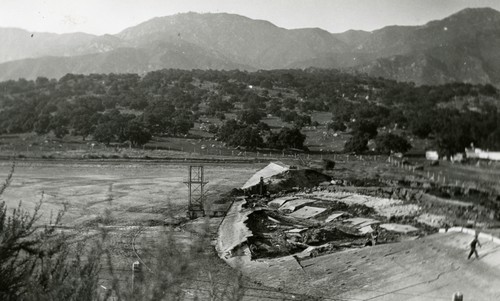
pixel 462 47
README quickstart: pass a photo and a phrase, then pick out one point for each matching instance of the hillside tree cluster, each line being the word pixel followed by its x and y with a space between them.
pixel 128 108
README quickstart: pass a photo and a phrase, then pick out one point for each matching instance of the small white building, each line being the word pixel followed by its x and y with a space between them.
pixel 477 153
pixel 432 155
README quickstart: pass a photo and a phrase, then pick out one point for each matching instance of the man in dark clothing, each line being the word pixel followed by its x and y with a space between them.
pixel 373 239
pixel 473 244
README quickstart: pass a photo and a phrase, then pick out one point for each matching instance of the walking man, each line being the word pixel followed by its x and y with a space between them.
pixel 473 244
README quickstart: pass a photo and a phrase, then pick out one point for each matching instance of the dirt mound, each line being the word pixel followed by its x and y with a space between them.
pixel 277 235
pixel 269 239
pixel 299 178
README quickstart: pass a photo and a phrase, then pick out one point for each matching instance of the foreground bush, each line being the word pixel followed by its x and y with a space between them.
pixel 37 263
pixel 44 263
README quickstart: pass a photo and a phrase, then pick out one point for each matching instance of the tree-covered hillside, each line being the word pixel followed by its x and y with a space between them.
pixel 130 108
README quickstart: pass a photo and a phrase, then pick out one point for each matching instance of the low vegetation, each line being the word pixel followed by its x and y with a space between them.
pixel 45 262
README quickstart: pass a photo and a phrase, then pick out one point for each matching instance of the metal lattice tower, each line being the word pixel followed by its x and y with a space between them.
pixel 196 183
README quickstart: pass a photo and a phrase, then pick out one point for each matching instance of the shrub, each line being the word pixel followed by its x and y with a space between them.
pixel 337 126
pixel 328 164
pixel 356 144
pixel 287 138
pixel 388 143
pixel 40 263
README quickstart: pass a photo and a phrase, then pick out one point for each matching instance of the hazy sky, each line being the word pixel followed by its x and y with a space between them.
pixel 112 16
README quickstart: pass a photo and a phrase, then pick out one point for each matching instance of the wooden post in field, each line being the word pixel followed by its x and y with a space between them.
pixel 458 296
pixel 136 270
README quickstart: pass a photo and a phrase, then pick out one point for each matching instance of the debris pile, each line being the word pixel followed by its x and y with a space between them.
pixel 302 212
pixel 310 224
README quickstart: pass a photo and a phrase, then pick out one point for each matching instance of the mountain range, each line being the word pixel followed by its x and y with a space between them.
pixel 463 47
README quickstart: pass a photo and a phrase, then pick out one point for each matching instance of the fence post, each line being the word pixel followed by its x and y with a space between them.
pixel 458 296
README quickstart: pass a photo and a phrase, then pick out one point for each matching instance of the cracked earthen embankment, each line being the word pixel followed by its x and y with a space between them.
pixel 233 232
pixel 231 247
pixel 431 268
pixel 463 212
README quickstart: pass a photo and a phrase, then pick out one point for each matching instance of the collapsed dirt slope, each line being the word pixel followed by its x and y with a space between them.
pixel 306 238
